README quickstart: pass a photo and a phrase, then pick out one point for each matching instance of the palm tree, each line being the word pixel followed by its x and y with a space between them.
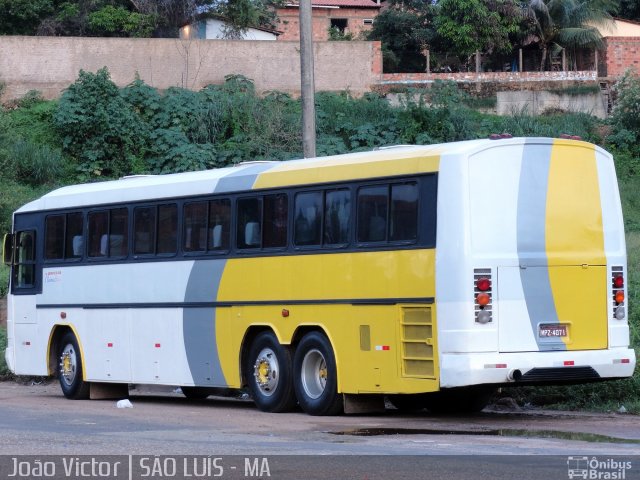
pixel 569 24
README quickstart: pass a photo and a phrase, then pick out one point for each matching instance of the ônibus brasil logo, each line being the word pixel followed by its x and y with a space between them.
pixel 595 468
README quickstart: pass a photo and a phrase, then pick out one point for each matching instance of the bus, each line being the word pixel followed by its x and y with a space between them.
pixel 425 275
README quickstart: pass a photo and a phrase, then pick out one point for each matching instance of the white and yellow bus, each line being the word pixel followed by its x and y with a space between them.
pixel 426 274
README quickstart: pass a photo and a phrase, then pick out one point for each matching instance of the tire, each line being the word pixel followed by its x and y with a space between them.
pixel 267 371
pixel 408 403
pixel 195 393
pixel 70 368
pixel 315 376
pixel 459 400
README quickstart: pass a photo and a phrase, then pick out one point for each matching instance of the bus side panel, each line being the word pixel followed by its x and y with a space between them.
pixel 348 292
pixel 165 332
pixel 614 242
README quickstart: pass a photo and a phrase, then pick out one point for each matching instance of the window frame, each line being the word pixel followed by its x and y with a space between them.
pixel 389 188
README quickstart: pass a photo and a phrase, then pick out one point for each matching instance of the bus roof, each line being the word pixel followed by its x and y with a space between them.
pixel 384 162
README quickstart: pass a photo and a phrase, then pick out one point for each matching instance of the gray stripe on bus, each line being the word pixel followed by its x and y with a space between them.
pixel 531 237
pixel 243 179
pixel 199 324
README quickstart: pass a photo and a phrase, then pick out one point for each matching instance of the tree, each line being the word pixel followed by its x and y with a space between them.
pixel 477 25
pixel 22 17
pixel 569 23
pixel 629 9
pixel 240 15
pixel 112 18
pixel 405 30
pixel 170 14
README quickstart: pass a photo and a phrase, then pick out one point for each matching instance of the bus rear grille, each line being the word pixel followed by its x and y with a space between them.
pixel 559 374
pixel 417 342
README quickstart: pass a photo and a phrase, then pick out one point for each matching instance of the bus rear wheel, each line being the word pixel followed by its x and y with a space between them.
pixel 70 368
pixel 267 371
pixel 315 376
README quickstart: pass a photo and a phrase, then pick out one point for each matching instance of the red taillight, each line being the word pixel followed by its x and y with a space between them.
pixel 483 284
pixel 482 293
pixel 618 281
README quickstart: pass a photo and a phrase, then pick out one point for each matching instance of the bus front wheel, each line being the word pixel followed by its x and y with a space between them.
pixel 70 368
pixel 315 377
pixel 268 374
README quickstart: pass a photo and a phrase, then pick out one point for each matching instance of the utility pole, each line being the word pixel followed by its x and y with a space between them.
pixel 307 81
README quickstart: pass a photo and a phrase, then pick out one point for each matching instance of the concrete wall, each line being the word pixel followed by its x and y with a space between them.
pixel 50 64
pixel 536 102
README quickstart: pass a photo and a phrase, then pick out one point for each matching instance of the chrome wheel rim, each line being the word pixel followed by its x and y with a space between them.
pixel 68 364
pixel 314 374
pixel 266 371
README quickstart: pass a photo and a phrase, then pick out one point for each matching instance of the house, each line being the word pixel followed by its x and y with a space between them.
pixel 622 48
pixel 208 27
pixel 346 16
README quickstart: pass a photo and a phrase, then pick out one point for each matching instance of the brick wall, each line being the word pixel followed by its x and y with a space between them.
pixel 50 64
pixel 321 21
pixel 620 53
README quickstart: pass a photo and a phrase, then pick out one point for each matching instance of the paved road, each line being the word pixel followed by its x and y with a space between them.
pixel 37 420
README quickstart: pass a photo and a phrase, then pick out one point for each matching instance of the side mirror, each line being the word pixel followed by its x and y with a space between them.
pixel 7 249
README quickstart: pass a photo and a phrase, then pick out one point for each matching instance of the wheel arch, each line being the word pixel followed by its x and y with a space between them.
pixel 55 336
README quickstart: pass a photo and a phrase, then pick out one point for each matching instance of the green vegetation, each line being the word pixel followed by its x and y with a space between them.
pixel 98 131
pixel 4 370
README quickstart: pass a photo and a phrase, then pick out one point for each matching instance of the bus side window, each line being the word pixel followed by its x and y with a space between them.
pixel 404 212
pixel 219 224
pixel 248 234
pixel 372 213
pixel 98 230
pixel 54 237
pixel 337 217
pixel 144 230
pixel 118 232
pixel 74 240
pixel 167 229
pixel 24 268
pixel 307 218
pixel 194 235
pixel 276 215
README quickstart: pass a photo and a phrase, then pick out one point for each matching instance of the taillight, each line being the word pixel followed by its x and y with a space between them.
pixel 482 295
pixel 617 289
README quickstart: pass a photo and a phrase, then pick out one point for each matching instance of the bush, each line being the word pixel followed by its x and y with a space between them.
pixel 12 196
pixel 35 164
pixel 625 116
pixel 4 279
pixel 4 370
pixel 103 136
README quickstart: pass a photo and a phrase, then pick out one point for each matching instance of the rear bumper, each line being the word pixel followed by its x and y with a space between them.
pixel 463 369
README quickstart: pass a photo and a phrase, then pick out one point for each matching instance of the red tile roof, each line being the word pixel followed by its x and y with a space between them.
pixel 340 3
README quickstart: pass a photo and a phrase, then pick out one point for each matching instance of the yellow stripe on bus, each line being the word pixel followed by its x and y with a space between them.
pixel 574 224
pixel 384 163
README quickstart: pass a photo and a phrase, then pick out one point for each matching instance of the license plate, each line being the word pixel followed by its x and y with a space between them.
pixel 552 331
